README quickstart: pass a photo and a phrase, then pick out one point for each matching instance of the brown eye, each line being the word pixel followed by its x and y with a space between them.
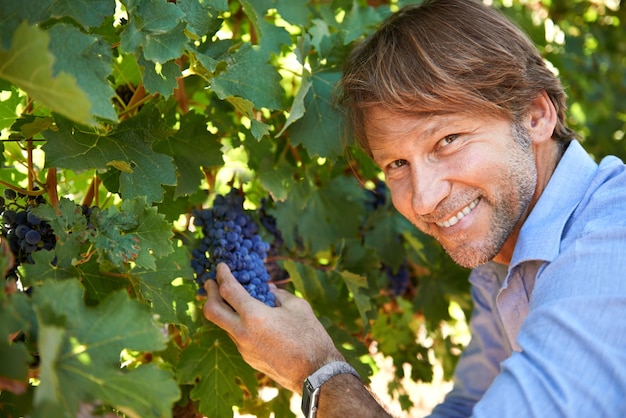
pixel 397 163
pixel 447 140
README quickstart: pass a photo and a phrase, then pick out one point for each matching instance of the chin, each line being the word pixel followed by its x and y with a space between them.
pixel 470 257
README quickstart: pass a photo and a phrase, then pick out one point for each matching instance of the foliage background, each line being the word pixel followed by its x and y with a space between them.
pixel 148 109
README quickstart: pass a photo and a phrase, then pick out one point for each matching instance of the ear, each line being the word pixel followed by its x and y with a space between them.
pixel 541 118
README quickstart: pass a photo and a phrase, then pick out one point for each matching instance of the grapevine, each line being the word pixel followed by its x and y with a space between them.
pixel 230 236
pixel 399 279
pixel 24 231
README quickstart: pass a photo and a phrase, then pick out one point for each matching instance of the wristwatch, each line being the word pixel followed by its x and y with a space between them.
pixel 313 384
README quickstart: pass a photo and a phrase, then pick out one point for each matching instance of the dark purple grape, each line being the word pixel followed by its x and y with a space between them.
pixel 10 194
pixel 33 237
pixel 230 236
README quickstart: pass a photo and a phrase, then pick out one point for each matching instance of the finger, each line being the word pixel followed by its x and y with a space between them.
pixel 233 292
pixel 216 310
pixel 283 297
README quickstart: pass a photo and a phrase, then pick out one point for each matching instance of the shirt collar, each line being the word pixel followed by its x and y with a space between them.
pixel 540 236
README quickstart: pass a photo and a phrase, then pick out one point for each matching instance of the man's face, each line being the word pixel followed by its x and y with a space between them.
pixel 466 181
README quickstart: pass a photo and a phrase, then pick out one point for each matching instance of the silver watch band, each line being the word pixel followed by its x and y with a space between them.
pixel 313 383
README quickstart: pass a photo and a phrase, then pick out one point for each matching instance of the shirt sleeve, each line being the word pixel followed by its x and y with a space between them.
pixel 480 361
pixel 573 341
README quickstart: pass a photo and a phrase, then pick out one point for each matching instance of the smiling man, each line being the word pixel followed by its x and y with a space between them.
pixel 457 107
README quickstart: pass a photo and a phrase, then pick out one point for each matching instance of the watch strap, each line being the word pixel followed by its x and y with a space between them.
pixel 312 384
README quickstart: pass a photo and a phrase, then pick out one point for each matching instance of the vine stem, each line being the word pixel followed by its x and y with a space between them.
pixel 92 192
pixel 51 187
pixel 23 191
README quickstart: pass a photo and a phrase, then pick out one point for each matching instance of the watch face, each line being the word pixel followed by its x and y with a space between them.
pixel 307 391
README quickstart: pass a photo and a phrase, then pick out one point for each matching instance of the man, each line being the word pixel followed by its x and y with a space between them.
pixel 459 110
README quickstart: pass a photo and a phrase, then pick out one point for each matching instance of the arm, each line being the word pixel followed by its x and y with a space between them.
pixel 287 343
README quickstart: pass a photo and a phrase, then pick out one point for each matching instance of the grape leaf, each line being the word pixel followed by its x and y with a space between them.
pixel 127 146
pixel 28 64
pixel 261 86
pixel 75 52
pixel 157 27
pixel 88 13
pixel 310 282
pixel 8 108
pixel 215 365
pixel 43 269
pixel 360 21
pixel 152 232
pixel 81 350
pixel 334 211
pixel 298 107
pixel 320 129
pixel 191 148
pixel 356 283
pixel 385 228
pixel 277 179
pixel 14 373
pixel 202 17
pixel 163 80
pixel 13 13
pixel 169 301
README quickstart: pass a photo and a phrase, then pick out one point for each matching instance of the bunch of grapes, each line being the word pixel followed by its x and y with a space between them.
pixel 230 236
pixel 23 230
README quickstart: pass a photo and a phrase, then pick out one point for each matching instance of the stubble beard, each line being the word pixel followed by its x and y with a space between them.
pixel 514 191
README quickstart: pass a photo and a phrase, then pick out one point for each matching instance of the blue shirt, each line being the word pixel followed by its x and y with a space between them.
pixel 549 331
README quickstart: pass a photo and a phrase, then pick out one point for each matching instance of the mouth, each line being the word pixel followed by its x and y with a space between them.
pixel 460 215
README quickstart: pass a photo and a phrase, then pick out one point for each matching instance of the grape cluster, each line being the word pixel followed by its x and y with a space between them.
pixel 23 230
pixel 230 236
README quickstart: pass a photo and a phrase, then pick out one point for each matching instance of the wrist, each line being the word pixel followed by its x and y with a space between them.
pixel 313 384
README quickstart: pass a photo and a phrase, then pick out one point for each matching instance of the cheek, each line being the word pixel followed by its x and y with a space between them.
pixel 401 195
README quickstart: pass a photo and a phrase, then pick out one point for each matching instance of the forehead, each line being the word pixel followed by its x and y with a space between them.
pixel 382 125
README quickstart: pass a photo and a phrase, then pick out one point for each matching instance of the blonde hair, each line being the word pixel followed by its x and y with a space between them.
pixel 447 56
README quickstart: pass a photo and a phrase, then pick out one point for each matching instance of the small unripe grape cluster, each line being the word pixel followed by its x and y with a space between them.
pixel 230 236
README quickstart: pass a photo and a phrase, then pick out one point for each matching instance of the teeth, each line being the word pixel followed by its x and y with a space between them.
pixel 456 218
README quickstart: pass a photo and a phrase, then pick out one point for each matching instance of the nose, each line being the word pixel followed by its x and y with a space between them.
pixel 429 187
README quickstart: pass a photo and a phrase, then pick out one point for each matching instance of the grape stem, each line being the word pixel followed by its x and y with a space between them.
pixel 23 191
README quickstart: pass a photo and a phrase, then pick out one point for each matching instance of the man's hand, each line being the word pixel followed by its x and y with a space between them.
pixel 287 342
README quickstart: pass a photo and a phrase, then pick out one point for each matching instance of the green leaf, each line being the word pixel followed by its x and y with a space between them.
pixel 191 148
pixel 152 232
pixel 202 17
pixel 170 301
pixel 44 268
pixel 356 283
pixel 81 350
pixel 160 78
pixel 310 282
pixel 15 13
pixel 360 21
pixel 323 210
pixel 277 179
pixel 88 13
pixel 8 107
pixel 320 129
pixel 215 364
pixel 75 52
pixel 157 27
pixel 385 228
pixel 260 86
pixel 128 148
pixel 298 107
pixel 14 367
pixel 29 65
